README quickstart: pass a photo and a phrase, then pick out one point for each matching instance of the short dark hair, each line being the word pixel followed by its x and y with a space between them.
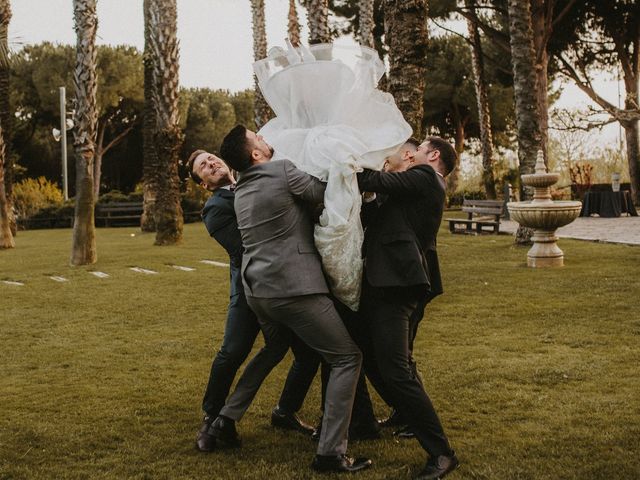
pixel 192 158
pixel 413 141
pixel 235 149
pixel 448 154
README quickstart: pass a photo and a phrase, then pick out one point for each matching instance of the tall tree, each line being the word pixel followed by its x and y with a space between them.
pixel 482 99
pixel 405 31
pixel 5 110
pixel 524 84
pixel 367 23
pixel 151 161
pixel 293 24
pixel 318 20
pixel 167 136
pixel 610 40
pixel 6 237
pixel 83 251
pixel 261 107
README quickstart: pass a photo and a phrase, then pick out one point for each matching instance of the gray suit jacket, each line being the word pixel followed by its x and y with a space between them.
pixel 273 204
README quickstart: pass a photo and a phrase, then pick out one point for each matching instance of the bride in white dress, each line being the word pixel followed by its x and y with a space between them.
pixel 332 122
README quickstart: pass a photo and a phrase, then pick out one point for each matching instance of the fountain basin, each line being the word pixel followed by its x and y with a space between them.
pixel 544 215
pixel 540 180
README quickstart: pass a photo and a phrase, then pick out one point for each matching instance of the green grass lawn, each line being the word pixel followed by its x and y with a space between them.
pixel 535 373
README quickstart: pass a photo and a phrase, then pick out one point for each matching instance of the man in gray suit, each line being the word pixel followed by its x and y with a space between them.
pixel 285 287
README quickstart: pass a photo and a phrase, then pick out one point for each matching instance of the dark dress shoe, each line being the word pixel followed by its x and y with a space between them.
pixel 339 463
pixel 393 420
pixel 224 431
pixel 404 433
pixel 289 421
pixel 206 442
pixel 439 468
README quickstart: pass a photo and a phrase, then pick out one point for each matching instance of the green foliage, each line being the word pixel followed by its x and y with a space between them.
pixel 33 194
pixel 533 372
pixel 450 99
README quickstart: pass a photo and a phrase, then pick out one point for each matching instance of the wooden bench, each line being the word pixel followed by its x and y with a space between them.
pixel 483 216
pixel 120 214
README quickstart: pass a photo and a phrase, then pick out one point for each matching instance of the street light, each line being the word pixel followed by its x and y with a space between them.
pixel 65 124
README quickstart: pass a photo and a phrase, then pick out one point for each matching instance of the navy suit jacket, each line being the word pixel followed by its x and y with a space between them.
pixel 220 220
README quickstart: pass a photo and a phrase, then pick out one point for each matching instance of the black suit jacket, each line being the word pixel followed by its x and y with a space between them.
pixel 220 220
pixel 400 238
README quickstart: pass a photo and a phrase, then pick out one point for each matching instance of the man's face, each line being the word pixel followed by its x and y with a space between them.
pixel 425 154
pixel 212 170
pixel 259 146
pixel 399 161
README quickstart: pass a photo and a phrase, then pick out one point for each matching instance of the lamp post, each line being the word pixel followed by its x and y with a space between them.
pixel 61 135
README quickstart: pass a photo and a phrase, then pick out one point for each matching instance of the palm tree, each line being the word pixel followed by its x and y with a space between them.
pixel 5 110
pixel 406 32
pixel 525 87
pixel 83 251
pixel 261 107
pixel 167 136
pixel 482 97
pixel 525 83
pixel 293 26
pixel 149 154
pixel 318 20
pixel 6 238
pixel 365 11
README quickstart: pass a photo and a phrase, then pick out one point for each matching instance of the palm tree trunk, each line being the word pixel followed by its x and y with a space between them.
pixel 525 87
pixel 633 157
pixel 167 137
pixel 540 10
pixel 261 107
pixel 365 10
pixel 83 251
pixel 482 98
pixel 318 20
pixel 6 237
pixel 406 32
pixel 151 165
pixel 293 26
pixel 5 110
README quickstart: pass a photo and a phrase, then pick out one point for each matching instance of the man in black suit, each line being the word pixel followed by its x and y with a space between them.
pixel 242 326
pixel 401 275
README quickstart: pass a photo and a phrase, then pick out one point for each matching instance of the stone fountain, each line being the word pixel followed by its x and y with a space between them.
pixel 544 216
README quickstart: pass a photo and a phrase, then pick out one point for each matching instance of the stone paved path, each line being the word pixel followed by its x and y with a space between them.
pixel 613 230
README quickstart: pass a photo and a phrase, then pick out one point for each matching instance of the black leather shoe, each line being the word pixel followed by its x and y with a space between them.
pixel 339 463
pixel 289 421
pixel 393 420
pixel 315 436
pixel 439 468
pixel 206 442
pixel 404 433
pixel 224 430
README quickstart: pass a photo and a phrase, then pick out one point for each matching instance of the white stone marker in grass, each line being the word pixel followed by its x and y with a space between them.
pixel 184 269
pixel 11 282
pixel 214 263
pixel 143 270
pixel 100 274
pixel 57 278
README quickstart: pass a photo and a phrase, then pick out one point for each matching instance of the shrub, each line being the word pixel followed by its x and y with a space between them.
pixel 34 194
pixel 458 197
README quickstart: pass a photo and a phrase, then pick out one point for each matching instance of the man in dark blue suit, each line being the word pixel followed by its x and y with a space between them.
pixel 242 327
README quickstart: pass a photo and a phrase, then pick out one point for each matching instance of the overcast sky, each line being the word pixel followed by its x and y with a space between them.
pixel 216 48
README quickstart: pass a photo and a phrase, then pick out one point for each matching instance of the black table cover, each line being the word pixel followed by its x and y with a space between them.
pixel 608 204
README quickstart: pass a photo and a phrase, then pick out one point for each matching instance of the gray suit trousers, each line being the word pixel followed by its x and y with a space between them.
pixel 314 319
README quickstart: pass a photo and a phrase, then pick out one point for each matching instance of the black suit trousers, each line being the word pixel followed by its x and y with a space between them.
pixel 386 340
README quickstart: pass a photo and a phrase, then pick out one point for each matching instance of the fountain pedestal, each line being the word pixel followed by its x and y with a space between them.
pixel 544 216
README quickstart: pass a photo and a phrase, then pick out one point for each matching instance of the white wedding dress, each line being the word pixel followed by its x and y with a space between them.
pixel 332 122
